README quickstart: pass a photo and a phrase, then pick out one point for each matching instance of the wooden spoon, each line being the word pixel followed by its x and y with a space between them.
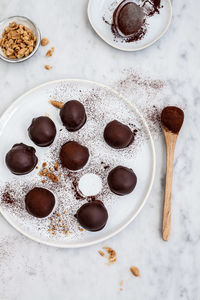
pixel 172 119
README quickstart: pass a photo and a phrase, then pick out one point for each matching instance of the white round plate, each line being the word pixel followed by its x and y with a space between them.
pixel 122 210
pixel 101 10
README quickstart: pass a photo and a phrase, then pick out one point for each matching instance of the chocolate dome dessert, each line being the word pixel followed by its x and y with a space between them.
pixel 92 216
pixel 73 115
pixel 42 131
pixel 128 18
pixel 39 202
pixel 122 180
pixel 21 159
pixel 74 156
pixel 118 135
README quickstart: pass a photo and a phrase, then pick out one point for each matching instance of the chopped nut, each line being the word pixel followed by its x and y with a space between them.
pixel 135 271
pixel 81 229
pixel 47 67
pixel 101 252
pixel 44 42
pixel 53 177
pixel 56 165
pixel 43 181
pixel 17 41
pixel 43 172
pixel 112 254
pixel 50 52
pixel 57 104
pixel 121 285
pixel 48 173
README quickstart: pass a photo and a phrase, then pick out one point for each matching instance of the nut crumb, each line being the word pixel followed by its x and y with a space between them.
pixel 56 165
pixel 121 285
pixel 50 52
pixel 101 252
pixel 112 256
pixel 44 42
pixel 47 67
pixel 135 271
pixel 57 104
pixel 48 173
pixel 80 228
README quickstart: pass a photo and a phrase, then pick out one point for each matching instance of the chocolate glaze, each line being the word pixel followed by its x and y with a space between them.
pixel 42 131
pixel 122 180
pixel 73 115
pixel 118 135
pixel 92 216
pixel 73 155
pixel 128 18
pixel 39 202
pixel 21 159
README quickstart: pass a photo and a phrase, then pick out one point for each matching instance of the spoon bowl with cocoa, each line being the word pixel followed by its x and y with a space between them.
pixel 172 118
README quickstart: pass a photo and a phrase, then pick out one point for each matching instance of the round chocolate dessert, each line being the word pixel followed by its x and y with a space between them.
pixel 74 156
pixel 128 18
pixel 73 115
pixel 118 135
pixel 39 202
pixel 42 131
pixel 122 180
pixel 92 216
pixel 21 159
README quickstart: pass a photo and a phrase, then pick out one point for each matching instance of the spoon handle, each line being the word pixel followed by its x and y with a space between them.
pixel 170 139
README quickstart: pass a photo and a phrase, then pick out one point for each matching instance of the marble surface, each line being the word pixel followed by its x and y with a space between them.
pixel 168 270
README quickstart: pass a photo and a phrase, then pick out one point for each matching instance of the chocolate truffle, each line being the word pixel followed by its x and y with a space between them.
pixel 74 156
pixel 73 115
pixel 118 135
pixel 128 18
pixel 92 216
pixel 122 180
pixel 42 131
pixel 21 159
pixel 39 202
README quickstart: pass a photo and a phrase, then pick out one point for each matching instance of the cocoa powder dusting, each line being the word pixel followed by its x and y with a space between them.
pixel 152 7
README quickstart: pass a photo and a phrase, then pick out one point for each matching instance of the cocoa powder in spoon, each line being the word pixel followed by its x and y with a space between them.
pixel 172 118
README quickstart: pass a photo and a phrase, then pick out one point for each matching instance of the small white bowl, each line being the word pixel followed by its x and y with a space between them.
pixel 24 21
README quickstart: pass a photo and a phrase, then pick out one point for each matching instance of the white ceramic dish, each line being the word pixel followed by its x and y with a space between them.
pixel 24 21
pixel 157 24
pixel 13 128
